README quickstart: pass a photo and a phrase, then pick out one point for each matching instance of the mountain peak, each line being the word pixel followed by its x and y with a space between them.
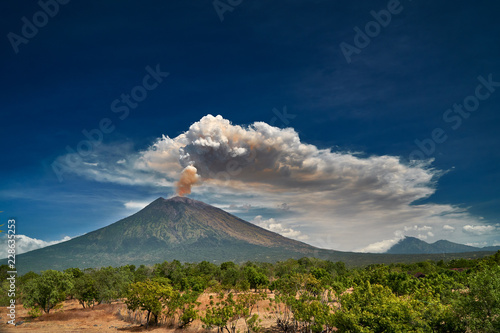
pixel 412 245
pixel 179 200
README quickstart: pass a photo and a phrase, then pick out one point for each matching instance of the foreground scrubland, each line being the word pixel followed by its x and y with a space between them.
pixel 306 295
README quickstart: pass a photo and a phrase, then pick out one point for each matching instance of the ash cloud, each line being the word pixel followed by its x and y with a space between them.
pixel 264 154
pixel 357 200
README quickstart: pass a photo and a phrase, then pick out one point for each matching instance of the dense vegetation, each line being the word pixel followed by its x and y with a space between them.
pixel 305 295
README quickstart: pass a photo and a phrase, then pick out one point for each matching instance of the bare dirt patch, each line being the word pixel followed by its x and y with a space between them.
pixel 71 317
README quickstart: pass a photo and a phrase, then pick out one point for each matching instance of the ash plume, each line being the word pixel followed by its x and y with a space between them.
pixel 188 178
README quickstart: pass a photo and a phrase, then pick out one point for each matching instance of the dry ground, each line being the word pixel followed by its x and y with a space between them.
pixel 71 317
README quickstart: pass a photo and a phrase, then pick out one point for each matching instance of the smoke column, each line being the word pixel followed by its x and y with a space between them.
pixel 188 178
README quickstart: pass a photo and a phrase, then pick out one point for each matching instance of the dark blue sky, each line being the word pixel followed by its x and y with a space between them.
pixel 263 55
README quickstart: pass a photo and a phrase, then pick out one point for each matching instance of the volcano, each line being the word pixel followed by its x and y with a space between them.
pixel 187 230
pixel 178 228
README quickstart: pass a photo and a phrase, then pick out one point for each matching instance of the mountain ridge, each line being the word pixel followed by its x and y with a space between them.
pixel 413 245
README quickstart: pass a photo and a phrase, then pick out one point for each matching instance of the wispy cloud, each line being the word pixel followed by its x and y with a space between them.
pixel 448 227
pixel 136 205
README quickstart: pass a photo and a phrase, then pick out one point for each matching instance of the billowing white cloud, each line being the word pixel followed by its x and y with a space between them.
pixel 25 244
pixel 278 228
pixel 477 244
pixel 341 200
pixel 479 229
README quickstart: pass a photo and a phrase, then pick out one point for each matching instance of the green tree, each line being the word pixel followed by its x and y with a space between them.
pixel 283 268
pixel 293 293
pixel 245 304
pixel 111 283
pixel 149 296
pixel 27 277
pixel 85 290
pixel 184 306
pixel 374 308
pixel 207 270
pixel 227 265
pixel 73 272
pixel 230 278
pixel 221 313
pixel 142 273
pixel 479 306
pixel 4 286
pixel 255 278
pixel 309 303
pixel 340 268
pixel 46 290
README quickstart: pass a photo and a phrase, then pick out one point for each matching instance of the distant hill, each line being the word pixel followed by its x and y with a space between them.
pixel 189 231
pixel 412 245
